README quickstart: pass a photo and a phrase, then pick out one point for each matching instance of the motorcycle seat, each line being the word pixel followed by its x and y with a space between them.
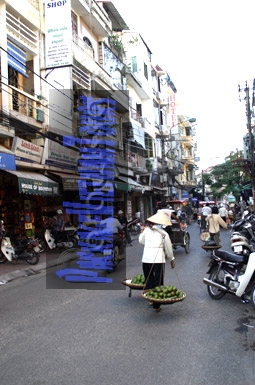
pixel 231 257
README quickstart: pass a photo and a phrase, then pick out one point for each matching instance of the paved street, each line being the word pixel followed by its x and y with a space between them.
pixel 79 336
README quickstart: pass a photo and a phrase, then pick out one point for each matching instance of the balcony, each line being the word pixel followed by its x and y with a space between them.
pixel 136 162
pixel 94 16
pixel 22 33
pixel 80 75
pixel 21 105
pixel 187 140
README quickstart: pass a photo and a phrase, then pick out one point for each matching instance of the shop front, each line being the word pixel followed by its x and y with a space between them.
pixel 26 198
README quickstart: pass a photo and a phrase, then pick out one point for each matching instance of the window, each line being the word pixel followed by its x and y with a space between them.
pixel 74 23
pixel 149 145
pixel 139 109
pixel 87 41
pixel 145 70
pixel 134 64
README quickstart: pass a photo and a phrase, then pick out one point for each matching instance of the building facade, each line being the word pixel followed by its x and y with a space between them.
pixel 53 53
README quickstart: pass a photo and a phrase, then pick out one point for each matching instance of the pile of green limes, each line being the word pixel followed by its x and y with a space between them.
pixel 164 292
pixel 139 279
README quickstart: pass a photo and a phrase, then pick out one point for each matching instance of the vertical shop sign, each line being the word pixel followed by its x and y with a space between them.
pixel 173 110
pixel 58 29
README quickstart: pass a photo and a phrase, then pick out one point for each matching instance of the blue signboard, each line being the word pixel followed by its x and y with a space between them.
pixel 185 194
pixel 7 161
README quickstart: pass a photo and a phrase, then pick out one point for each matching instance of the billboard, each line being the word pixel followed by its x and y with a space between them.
pixel 58 33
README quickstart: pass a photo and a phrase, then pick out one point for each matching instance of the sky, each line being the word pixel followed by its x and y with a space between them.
pixel 207 48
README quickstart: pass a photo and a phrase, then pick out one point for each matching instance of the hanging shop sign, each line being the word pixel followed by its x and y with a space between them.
pixel 35 183
pixel 27 151
pixel 55 154
pixel 58 29
pixel 7 161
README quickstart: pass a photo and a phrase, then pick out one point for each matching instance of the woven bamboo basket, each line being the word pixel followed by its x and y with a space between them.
pixel 166 301
pixel 134 286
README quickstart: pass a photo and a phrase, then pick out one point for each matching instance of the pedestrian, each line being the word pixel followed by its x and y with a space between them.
pixel 223 212
pixel 206 210
pixel 157 246
pixel 189 213
pixel 58 225
pixel 123 221
pixel 215 221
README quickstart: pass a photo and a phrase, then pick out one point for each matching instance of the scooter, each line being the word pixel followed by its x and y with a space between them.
pixel 243 241
pixel 70 233
pixel 26 249
pixel 7 250
pixel 231 273
pixel 241 245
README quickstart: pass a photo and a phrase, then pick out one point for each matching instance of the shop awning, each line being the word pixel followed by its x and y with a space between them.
pixel 135 186
pixel 121 186
pixel 35 183
pixel 16 58
pixel 69 181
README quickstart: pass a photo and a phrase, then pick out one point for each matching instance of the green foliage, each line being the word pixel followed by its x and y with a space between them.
pixel 225 178
pixel 148 165
pixel 116 43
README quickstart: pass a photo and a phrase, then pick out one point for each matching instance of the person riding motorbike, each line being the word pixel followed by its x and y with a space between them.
pixel 112 226
pixel 206 210
pixel 58 225
pixel 123 221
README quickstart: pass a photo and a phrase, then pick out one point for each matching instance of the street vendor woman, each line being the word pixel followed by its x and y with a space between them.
pixel 157 246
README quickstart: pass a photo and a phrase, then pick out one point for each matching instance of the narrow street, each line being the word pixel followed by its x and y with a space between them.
pixel 79 336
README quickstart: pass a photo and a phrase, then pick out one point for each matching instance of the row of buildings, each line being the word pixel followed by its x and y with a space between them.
pixel 53 53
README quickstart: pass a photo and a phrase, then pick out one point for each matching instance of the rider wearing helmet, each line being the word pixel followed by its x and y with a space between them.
pixel 58 225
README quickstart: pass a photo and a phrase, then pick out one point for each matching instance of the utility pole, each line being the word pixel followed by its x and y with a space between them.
pixel 251 137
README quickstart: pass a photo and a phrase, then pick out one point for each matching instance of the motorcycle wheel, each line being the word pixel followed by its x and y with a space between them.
pixel 42 244
pixel 186 240
pixel 3 259
pixel 115 259
pixel 34 259
pixel 217 278
pixel 253 295
pixel 135 230
pixel 75 242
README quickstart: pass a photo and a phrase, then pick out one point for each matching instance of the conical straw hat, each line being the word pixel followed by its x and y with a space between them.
pixel 160 218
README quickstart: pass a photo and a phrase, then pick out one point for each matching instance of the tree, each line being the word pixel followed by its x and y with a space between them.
pixel 225 178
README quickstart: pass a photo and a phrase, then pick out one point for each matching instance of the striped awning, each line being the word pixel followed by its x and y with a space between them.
pixel 16 58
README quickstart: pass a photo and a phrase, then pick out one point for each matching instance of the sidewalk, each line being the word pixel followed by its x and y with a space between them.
pixel 10 270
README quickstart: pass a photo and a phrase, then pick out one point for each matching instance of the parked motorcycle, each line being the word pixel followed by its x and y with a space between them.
pixel 7 250
pixel 231 273
pixel 27 248
pixel 242 238
pixel 133 227
pixel 241 245
pixel 24 249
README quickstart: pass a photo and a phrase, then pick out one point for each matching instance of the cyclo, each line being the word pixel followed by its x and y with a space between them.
pixel 180 236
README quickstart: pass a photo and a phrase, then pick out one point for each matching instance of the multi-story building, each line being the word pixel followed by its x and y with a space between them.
pixel 52 54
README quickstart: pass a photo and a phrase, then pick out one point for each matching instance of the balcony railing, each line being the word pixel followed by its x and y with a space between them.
pixel 135 115
pixel 21 32
pixel 24 104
